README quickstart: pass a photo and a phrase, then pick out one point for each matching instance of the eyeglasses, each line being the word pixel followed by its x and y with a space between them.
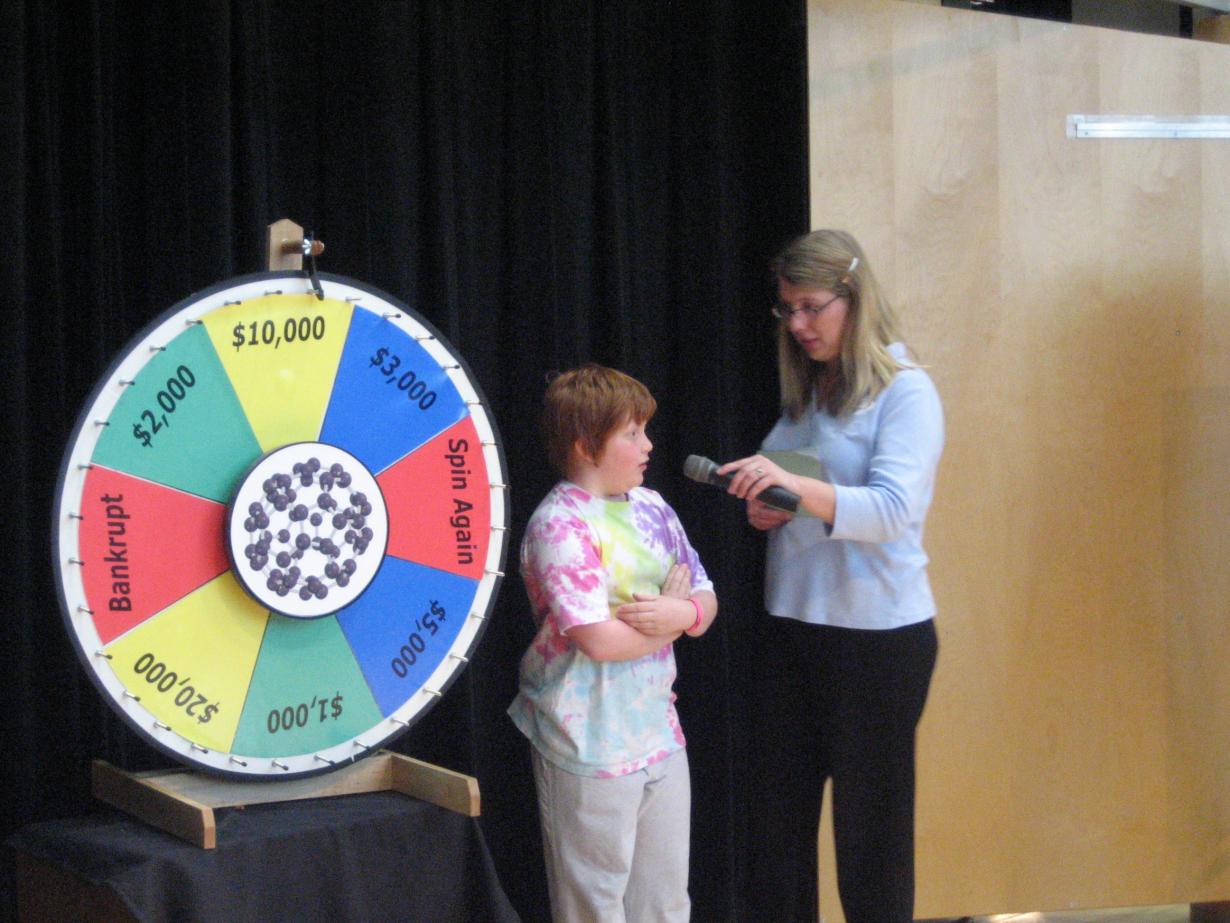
pixel 786 313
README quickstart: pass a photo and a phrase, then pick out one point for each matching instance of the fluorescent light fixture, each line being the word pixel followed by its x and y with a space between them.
pixel 1148 126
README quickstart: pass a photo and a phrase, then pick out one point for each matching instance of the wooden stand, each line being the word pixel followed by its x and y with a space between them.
pixel 182 802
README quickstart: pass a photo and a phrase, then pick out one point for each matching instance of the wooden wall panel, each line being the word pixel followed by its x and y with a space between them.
pixel 1072 299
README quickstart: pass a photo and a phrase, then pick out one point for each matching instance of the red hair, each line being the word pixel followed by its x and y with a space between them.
pixel 585 405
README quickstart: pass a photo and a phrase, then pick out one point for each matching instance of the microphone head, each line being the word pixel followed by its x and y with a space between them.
pixel 699 468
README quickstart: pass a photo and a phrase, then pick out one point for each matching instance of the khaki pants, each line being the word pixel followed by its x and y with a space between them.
pixel 616 849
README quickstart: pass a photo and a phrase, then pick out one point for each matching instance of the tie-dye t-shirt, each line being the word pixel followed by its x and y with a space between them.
pixel 582 558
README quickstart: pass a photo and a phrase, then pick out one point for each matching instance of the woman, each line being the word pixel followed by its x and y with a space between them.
pixel 851 648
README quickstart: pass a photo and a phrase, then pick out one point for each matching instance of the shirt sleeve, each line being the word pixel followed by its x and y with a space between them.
pixel 909 438
pixel 683 550
pixel 562 567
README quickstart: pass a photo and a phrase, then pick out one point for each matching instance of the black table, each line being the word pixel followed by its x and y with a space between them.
pixel 379 856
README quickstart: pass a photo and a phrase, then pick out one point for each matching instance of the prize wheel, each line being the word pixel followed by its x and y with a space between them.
pixel 280 525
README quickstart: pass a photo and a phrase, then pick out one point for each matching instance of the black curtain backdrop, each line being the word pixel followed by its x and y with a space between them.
pixel 547 181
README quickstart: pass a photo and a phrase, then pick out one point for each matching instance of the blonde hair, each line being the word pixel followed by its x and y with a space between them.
pixel 586 405
pixel 833 260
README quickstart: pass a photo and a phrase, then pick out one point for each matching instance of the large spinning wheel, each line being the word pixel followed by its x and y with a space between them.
pixel 280 525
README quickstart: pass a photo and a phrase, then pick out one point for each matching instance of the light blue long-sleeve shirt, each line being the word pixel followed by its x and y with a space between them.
pixel 868 569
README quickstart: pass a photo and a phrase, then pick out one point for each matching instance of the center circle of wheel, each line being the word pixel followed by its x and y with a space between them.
pixel 307 530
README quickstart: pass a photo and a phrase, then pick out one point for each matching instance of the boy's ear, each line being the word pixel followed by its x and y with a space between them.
pixel 582 454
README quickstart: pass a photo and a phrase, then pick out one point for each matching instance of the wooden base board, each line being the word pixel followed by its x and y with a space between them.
pixel 182 802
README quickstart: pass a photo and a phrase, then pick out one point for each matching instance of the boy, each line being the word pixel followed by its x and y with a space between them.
pixel 612 581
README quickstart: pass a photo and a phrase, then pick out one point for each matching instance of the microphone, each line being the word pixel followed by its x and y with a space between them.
pixel 704 471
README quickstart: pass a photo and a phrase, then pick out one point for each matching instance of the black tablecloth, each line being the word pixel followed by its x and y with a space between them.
pixel 374 857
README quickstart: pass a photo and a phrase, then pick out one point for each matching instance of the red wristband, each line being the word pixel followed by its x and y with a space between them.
pixel 700 614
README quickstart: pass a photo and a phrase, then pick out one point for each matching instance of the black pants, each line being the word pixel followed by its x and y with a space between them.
pixel 843 704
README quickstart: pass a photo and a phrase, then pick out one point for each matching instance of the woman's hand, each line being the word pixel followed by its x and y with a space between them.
pixel 752 476
pixel 755 474
pixel 764 517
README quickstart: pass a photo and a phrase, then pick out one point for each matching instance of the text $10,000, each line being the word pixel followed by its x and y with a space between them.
pixel 267 333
